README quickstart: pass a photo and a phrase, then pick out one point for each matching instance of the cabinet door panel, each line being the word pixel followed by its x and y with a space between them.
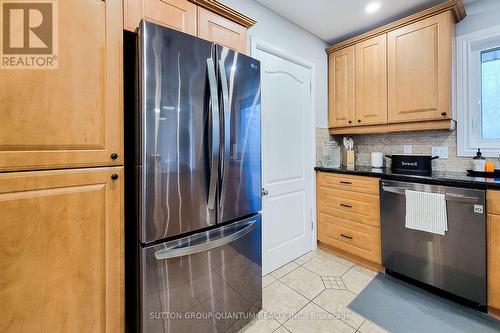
pixel 419 67
pixel 70 116
pixel 494 261
pixel 61 253
pixel 371 81
pixel 175 14
pixel 341 78
pixel 222 31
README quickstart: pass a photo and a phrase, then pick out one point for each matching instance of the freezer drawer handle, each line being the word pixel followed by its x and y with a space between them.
pixel 448 197
pixel 207 245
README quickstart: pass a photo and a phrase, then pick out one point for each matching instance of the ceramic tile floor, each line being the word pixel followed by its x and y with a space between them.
pixel 311 294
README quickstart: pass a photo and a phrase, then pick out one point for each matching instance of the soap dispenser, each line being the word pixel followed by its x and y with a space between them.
pixel 479 162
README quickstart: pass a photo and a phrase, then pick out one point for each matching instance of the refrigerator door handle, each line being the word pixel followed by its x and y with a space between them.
pixel 214 109
pixel 205 244
pixel 227 129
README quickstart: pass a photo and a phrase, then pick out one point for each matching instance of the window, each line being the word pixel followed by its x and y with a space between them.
pixel 478 92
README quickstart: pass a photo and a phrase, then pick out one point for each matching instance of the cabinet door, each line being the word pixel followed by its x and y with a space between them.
pixel 61 253
pixel 222 31
pixel 371 81
pixel 175 14
pixel 341 88
pixel 494 261
pixel 419 67
pixel 70 116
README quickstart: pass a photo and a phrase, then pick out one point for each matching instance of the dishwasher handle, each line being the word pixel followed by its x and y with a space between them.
pixel 448 196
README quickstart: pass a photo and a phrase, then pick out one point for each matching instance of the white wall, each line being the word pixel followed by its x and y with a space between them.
pixel 481 14
pixel 284 35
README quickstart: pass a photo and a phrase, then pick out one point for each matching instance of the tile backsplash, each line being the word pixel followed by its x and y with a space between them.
pixel 392 143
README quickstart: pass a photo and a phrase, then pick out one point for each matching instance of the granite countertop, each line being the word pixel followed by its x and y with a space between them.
pixel 457 179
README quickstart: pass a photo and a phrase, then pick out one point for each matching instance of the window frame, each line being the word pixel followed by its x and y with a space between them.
pixel 468 90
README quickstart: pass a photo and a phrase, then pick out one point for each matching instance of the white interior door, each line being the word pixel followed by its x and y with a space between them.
pixel 287 141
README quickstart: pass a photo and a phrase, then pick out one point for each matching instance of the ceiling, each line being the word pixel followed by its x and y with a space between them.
pixel 334 20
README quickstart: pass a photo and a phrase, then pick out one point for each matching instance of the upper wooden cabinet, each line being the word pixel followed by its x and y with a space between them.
pixel 371 81
pixel 341 88
pixel 222 31
pixel 175 14
pixel 207 19
pixel 70 116
pixel 61 259
pixel 420 61
pixel 402 75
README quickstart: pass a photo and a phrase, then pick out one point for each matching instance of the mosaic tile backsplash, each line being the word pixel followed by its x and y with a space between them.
pixel 393 143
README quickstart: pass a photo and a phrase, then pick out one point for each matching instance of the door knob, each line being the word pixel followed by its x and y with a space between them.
pixel 264 192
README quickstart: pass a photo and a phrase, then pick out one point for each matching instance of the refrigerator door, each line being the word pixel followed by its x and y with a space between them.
pixel 207 282
pixel 239 85
pixel 179 152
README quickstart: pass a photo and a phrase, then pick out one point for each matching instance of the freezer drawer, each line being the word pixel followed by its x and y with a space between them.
pixel 207 282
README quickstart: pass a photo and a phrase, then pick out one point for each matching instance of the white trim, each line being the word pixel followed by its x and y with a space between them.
pixel 467 77
pixel 258 44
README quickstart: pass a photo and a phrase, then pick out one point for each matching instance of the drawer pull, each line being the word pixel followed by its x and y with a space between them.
pixel 346 206
pixel 344 236
pixel 344 182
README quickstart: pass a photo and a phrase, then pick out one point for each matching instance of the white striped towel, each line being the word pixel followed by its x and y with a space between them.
pixel 426 212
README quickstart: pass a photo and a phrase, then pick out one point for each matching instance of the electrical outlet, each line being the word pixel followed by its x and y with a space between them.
pixel 408 149
pixel 442 152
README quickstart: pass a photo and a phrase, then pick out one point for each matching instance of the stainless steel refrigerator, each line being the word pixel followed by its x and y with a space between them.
pixel 193 193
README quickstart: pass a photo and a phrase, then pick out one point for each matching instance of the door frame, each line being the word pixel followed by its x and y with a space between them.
pixel 258 44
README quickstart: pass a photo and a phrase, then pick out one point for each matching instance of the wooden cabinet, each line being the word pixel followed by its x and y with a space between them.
pixel 222 31
pixel 494 250
pixel 175 14
pixel 371 81
pixel 70 116
pixel 397 77
pixel 61 258
pixel 206 19
pixel 341 102
pixel 419 67
pixel 348 215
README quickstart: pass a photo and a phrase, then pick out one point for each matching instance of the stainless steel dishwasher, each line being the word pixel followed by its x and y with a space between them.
pixel 455 262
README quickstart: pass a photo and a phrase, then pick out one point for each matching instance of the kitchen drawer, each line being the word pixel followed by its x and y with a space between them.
pixel 359 207
pixel 355 238
pixel 493 202
pixel 348 182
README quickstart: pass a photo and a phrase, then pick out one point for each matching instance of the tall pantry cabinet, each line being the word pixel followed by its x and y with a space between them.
pixel 61 180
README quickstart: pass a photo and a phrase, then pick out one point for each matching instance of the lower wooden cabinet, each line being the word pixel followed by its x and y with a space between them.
pixel 493 250
pixel 348 214
pixel 61 251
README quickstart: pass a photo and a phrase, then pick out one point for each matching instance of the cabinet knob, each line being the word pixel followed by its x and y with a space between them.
pixel 114 156
pixel 443 113
pixel 350 122
pixel 114 176
pixel 359 120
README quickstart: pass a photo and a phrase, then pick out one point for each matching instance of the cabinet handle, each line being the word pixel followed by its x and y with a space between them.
pixel 114 176
pixel 344 182
pixel 443 113
pixel 346 206
pixel 345 236
pixel 114 156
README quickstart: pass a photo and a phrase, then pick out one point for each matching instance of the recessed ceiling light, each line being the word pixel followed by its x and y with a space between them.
pixel 372 7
